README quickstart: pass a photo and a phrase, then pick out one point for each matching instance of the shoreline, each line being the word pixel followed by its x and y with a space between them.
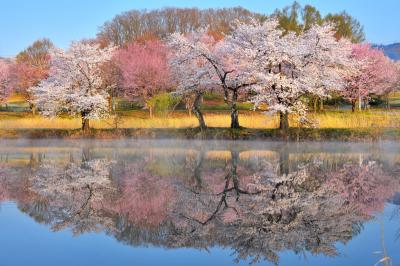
pixel 294 134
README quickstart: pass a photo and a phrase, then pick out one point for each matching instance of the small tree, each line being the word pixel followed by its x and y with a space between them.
pixel 214 61
pixel 144 70
pixel 377 75
pixel 191 73
pixel 75 83
pixel 164 104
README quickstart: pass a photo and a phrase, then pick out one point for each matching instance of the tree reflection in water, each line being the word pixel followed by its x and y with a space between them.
pixel 258 203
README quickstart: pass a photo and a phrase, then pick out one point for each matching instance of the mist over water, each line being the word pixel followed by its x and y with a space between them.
pixel 167 202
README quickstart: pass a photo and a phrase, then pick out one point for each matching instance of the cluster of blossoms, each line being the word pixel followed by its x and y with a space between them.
pixel 75 82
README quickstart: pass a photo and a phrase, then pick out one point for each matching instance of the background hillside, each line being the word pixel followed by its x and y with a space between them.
pixel 391 50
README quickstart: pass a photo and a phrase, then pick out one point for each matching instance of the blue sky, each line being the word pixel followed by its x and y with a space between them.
pixel 23 21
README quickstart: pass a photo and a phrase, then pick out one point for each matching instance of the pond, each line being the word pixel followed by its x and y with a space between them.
pixel 166 202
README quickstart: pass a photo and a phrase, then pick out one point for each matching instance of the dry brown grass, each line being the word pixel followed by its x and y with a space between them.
pixel 364 119
pixel 139 119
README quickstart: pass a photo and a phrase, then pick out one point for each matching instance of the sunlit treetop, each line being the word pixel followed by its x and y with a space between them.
pixel 298 19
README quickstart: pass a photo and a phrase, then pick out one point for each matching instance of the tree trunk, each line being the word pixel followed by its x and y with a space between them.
pixel 189 105
pixel 359 103
pixel 151 111
pixel 86 154
pixel 284 161
pixel 283 121
pixel 315 100
pixel 365 101
pixel 321 105
pixel 387 101
pixel 234 110
pixel 197 111
pixel 85 123
pixel 111 107
pixel 32 161
pixel 318 104
pixel 198 169
pixel 353 106
pixel 33 109
pixel 233 172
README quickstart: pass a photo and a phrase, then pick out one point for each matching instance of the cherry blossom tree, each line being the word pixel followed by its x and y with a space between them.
pixel 377 75
pixel 368 185
pixel 289 66
pixel 214 63
pixel 75 83
pixel 24 76
pixel 30 67
pixel 144 69
pixel 74 193
pixel 5 88
pixel 144 198
pixel 191 74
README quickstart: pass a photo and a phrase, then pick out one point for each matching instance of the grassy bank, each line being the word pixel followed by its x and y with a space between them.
pixel 181 119
pixel 294 134
pixel 329 125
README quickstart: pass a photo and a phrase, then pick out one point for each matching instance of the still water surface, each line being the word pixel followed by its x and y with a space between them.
pixel 198 203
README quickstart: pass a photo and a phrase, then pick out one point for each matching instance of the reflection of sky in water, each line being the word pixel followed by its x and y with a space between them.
pixel 24 241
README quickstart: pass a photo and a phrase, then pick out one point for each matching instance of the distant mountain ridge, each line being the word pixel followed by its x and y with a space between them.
pixel 391 50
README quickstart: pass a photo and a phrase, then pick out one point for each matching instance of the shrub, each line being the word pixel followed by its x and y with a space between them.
pixel 163 104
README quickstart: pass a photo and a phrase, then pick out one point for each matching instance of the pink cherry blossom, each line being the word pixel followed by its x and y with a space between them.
pixel 144 69
pixel 377 74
